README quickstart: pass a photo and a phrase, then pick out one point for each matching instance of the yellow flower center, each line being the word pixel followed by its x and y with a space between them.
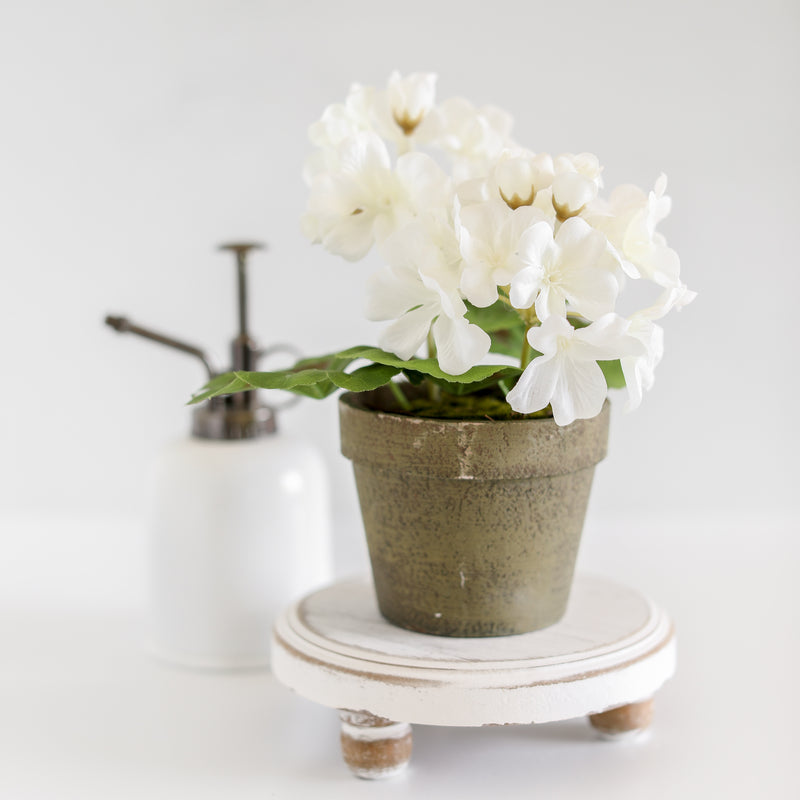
pixel 407 123
pixel 515 201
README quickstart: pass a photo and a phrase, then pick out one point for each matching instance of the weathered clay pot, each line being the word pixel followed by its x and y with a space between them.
pixel 472 526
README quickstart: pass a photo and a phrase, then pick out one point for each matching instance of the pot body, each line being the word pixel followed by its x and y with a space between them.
pixel 238 530
pixel 472 526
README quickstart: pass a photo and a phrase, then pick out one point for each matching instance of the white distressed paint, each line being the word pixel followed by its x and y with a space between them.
pixel 613 647
pixel 600 615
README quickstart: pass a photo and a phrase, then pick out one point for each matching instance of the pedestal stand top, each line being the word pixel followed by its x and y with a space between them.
pixel 613 647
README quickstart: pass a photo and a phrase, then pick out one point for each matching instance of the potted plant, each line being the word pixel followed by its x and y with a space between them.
pixel 473 470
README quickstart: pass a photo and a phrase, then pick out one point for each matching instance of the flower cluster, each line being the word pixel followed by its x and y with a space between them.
pixel 497 224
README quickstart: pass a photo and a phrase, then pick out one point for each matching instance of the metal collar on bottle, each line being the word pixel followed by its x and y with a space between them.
pixel 237 416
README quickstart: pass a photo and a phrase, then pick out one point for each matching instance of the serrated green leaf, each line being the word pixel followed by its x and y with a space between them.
pixel 427 366
pixel 332 361
pixel 321 376
pixel 228 383
pixel 317 383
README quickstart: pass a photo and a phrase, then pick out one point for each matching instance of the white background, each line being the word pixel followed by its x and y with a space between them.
pixel 136 136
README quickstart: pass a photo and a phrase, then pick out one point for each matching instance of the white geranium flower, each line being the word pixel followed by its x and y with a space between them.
pixel 419 290
pixel 474 190
pixel 520 175
pixel 575 267
pixel 629 218
pixel 575 183
pixel 339 122
pixel 489 235
pixel 411 98
pixel 395 113
pixel 676 297
pixel 365 200
pixel 475 137
pixel 639 370
pixel 566 376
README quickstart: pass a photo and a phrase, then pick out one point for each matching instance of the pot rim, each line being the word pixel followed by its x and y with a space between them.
pixel 353 399
pixel 468 448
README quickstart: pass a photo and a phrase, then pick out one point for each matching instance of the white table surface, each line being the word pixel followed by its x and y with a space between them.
pixel 86 713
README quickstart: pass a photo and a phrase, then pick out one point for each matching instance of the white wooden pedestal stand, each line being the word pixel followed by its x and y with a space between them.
pixel 606 658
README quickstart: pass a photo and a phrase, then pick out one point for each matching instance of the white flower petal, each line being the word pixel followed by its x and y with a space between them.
pixel 489 234
pixel 580 270
pixel 567 374
pixel 572 191
pixel 459 344
pixel 580 391
pixel 446 293
pixel 546 337
pixel 479 290
pixel 393 291
pixel 664 267
pixel 412 96
pixel 484 220
pixel 550 302
pixel 525 287
pixel 352 237
pixel 535 387
pixel 406 335
pixel 639 371
pixel 364 152
pixel 426 184
pixel 427 247
pixel 591 292
pixel 606 339
pixel 534 243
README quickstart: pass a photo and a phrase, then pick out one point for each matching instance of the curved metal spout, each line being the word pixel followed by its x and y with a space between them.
pixel 124 325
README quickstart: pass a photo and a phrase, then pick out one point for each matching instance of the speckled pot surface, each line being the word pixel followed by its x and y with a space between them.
pixel 472 526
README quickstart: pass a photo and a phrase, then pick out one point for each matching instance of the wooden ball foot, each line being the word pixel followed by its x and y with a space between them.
pixel 374 747
pixel 624 721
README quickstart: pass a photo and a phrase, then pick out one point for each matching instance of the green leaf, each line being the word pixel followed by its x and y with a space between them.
pixel 228 383
pixel 508 343
pixel 310 382
pixel 501 375
pixel 427 366
pixel 414 378
pixel 497 317
pixel 504 326
pixel 321 376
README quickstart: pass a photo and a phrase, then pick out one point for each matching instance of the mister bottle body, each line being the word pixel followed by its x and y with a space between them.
pixel 238 530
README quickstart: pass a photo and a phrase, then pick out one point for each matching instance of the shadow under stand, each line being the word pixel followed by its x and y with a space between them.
pixel 605 659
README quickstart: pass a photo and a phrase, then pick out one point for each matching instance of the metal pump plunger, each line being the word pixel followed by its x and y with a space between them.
pixel 240 415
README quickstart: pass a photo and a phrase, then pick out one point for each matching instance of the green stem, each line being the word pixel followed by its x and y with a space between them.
pixel 431 346
pixel 434 392
pixel 525 358
pixel 399 395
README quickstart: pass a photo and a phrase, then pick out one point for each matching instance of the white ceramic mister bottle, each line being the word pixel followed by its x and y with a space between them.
pixel 240 520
